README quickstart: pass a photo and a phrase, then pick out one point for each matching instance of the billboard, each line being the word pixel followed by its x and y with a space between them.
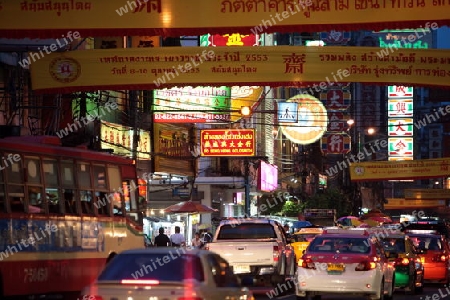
pixel 408 169
pixel 267 177
pixel 189 104
pixel 227 142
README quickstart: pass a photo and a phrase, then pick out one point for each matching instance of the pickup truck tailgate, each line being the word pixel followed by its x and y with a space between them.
pixel 254 253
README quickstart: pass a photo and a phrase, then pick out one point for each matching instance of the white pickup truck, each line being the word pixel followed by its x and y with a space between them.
pixel 257 249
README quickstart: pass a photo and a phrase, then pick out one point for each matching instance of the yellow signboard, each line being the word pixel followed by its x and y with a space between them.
pixel 399 203
pixel 413 169
pixel 150 68
pixel 428 194
pixel 120 139
pixel 48 19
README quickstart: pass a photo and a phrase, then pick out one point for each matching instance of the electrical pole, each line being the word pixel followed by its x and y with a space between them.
pixel 247 187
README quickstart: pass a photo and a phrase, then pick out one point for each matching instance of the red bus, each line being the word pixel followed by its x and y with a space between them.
pixel 63 212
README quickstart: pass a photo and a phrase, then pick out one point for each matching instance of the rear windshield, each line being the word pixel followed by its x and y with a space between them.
pixel 246 231
pixel 306 237
pixel 427 242
pixel 394 244
pixel 339 244
pixel 162 267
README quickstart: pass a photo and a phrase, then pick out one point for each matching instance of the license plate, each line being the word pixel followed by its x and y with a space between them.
pixel 239 269
pixel 335 268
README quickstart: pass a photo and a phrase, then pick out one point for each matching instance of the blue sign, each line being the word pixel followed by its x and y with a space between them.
pixel 287 112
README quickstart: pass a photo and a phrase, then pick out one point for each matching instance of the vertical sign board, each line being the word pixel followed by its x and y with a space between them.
pixel 400 108
pixel 400 98
pixel 400 127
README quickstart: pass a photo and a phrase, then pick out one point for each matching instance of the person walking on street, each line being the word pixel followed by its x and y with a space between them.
pixel 177 238
pixel 207 237
pixel 197 242
pixel 162 240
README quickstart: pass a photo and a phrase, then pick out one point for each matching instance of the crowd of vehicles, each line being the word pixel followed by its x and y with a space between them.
pixel 375 262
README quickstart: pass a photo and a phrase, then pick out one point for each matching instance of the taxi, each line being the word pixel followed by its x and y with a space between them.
pixel 409 270
pixel 302 238
pixel 349 261
pixel 435 254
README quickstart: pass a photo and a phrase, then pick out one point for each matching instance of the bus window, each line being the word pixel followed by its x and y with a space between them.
pixel 2 194
pixel 33 167
pixel 36 203
pixel 84 175
pixel 103 203
pixel 101 193
pixel 70 206
pixel 2 198
pixel 50 168
pixel 14 173
pixel 99 177
pixel 16 196
pixel 67 177
pixel 86 202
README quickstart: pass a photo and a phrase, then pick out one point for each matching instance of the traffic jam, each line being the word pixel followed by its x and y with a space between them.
pixel 374 262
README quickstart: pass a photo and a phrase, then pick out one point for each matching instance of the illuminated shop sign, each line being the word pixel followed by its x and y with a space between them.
pixel 267 177
pixel 192 105
pixel 227 142
pixel 400 108
pixel 120 139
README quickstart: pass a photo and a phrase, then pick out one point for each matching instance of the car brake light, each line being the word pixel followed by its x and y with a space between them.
pixel 91 297
pixel 189 298
pixel 402 261
pixel 366 266
pixel 140 281
pixel 441 257
pixel 306 263
pixel 276 253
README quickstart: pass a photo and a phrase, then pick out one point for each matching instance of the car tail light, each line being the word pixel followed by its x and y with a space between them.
pixel 402 261
pixel 306 263
pixel 140 281
pixel 366 266
pixel 189 298
pixel 90 297
pixel 441 257
pixel 276 253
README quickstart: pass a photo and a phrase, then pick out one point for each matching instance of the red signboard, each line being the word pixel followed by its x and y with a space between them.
pixel 234 39
pixel 336 143
pixel 337 121
pixel 227 142
pixel 335 99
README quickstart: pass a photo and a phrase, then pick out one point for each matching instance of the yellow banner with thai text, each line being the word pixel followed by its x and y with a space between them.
pixel 149 68
pixel 399 203
pixel 390 170
pixel 45 18
pixel 428 194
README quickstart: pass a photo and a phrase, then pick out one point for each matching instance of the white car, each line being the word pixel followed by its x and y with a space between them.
pixel 166 273
pixel 345 261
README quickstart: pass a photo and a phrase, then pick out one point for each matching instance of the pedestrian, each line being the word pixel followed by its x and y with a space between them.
pixel 162 240
pixel 207 237
pixel 197 242
pixel 177 238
